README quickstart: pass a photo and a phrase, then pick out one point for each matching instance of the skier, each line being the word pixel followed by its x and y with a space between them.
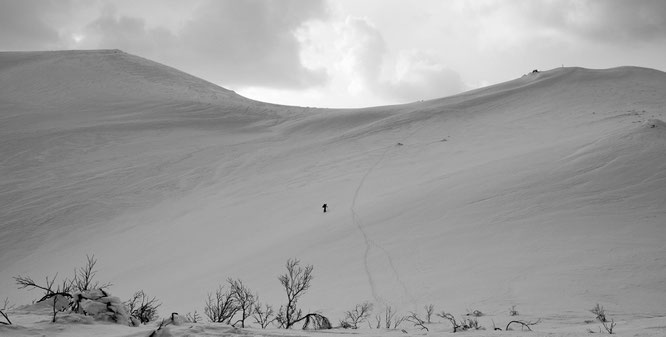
pixel 324 207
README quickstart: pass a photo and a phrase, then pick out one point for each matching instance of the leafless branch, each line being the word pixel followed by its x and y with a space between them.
pixel 609 326
pixel 84 277
pixel 524 324
pixel 600 313
pixel 414 318
pixel 429 309
pixel 451 319
pixel 221 307
pixel 360 313
pixel 315 321
pixel 263 315
pixel 5 307
pixel 143 307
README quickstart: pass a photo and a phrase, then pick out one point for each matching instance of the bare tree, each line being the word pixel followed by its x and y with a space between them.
pixel 429 309
pixel 5 307
pixel 221 307
pixel 263 315
pixel 243 298
pixel 414 318
pixel 143 307
pixel 360 314
pixel 296 281
pixel 84 277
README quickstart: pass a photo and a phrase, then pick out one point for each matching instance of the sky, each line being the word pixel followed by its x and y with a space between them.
pixel 349 53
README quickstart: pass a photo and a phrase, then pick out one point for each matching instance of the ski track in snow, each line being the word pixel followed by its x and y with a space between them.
pixel 357 222
pixel 368 242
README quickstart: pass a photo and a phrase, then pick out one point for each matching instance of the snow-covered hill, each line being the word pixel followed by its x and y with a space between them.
pixel 547 192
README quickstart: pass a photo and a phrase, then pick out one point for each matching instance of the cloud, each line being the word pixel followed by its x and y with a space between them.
pixel 602 21
pixel 251 42
pixel 127 33
pixel 363 50
pixel 234 43
pixel 412 75
pixel 618 20
pixel 24 28
pixel 420 75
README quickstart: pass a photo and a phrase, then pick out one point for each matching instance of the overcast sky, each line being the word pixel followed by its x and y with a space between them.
pixel 349 53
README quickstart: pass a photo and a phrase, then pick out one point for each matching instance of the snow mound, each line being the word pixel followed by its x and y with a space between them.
pixel 98 304
pixel 654 123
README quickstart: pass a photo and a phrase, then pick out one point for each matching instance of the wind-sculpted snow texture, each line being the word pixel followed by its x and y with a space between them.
pixel 547 191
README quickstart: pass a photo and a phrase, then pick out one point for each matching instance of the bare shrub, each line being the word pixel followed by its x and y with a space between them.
pixel 414 318
pixel 429 309
pixel 599 312
pixel 263 315
pixel 358 315
pixel 513 311
pixel 464 324
pixel 391 318
pixel 471 324
pixel 221 307
pixel 142 307
pixel 452 320
pixel 243 299
pixel 81 294
pixel 296 281
pixel 58 295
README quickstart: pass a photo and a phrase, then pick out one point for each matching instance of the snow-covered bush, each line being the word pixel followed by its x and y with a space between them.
pixel 100 305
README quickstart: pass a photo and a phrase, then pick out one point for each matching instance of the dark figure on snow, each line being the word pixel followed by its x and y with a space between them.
pixel 324 207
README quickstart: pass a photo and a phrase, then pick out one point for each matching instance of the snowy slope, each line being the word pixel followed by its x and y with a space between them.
pixel 547 191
